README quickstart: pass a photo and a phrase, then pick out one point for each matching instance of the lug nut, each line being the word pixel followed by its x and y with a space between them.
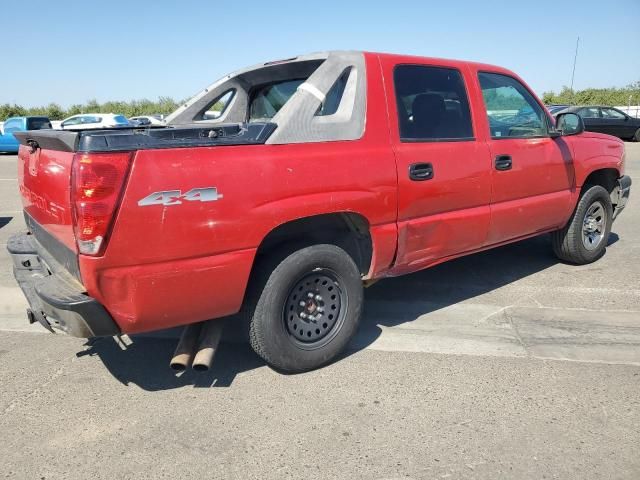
pixel 310 295
pixel 318 298
pixel 302 304
pixel 303 315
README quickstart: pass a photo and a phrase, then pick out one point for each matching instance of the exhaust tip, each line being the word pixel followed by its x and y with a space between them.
pixel 178 366
pixel 207 345
pixel 185 350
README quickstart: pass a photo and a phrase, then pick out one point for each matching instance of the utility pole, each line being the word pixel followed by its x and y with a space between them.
pixel 575 59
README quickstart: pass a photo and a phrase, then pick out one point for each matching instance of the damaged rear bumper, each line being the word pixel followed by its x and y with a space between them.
pixel 56 299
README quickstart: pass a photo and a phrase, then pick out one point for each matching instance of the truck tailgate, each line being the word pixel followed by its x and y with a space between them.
pixel 44 179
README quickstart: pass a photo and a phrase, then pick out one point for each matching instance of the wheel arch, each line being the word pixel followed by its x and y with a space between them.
pixel 605 177
pixel 348 230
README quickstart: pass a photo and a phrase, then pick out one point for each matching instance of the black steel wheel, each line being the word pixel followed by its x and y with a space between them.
pixel 313 313
pixel 306 309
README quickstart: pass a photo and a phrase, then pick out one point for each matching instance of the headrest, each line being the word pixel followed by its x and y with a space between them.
pixel 428 105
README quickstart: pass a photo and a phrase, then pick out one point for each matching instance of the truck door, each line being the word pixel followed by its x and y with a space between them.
pixel 616 123
pixel 532 174
pixel 443 170
pixel 591 118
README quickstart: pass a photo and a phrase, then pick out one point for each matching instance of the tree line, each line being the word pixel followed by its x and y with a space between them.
pixel 596 96
pixel 164 105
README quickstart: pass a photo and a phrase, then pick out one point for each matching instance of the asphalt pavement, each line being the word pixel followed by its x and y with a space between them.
pixel 503 364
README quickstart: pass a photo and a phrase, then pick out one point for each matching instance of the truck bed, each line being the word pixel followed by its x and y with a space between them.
pixel 128 139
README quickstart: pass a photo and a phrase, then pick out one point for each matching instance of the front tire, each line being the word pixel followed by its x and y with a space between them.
pixel 308 309
pixel 584 239
pixel 636 137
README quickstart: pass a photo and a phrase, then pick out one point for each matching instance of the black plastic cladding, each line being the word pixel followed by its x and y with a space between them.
pixel 127 139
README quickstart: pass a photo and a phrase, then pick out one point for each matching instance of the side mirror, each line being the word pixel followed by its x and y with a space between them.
pixel 569 124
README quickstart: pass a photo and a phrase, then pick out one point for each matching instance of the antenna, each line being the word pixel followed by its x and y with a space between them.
pixel 575 59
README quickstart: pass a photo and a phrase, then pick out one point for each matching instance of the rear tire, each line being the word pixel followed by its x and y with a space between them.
pixel 636 137
pixel 584 239
pixel 308 307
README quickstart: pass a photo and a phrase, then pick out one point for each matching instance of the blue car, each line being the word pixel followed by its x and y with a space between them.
pixel 8 142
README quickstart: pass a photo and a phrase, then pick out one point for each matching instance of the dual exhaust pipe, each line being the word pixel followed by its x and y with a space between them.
pixel 197 346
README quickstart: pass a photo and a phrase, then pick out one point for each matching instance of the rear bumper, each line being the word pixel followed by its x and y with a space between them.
pixel 56 299
pixel 620 195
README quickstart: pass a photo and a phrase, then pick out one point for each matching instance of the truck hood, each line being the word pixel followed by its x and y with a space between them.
pixel 602 136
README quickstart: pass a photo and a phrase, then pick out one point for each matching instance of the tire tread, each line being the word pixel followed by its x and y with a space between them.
pixel 567 242
pixel 267 277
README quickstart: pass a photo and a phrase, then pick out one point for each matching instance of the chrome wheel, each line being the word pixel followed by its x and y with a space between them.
pixel 593 226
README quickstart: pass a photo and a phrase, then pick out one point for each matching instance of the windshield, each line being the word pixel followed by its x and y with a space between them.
pixel 267 100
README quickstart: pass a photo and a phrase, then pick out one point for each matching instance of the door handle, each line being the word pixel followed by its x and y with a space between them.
pixel 503 162
pixel 419 172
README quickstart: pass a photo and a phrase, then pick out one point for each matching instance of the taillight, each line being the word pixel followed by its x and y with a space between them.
pixel 97 180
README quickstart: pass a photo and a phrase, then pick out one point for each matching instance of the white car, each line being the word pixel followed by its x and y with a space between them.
pixel 94 120
pixel 147 120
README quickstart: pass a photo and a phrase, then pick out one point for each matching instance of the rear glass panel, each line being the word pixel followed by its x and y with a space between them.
pixel 334 96
pixel 267 100
pixel 121 120
pixel 38 123
pixel 216 108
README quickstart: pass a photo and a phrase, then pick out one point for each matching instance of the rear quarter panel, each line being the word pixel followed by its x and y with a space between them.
pixel 176 264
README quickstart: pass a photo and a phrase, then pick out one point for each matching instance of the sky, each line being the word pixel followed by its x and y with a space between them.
pixel 72 51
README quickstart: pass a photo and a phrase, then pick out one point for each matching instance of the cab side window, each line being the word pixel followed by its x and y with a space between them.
pixel 612 113
pixel 589 112
pixel 511 110
pixel 90 119
pixel 432 104
pixel 72 121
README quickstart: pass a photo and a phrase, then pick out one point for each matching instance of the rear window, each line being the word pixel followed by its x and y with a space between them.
pixel 267 100
pixel 38 123
pixel 121 120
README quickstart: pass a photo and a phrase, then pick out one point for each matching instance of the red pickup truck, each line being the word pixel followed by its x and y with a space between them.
pixel 279 190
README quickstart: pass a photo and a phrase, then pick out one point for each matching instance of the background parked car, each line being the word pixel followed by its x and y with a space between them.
pixel 555 108
pixel 84 121
pixel 147 120
pixel 607 120
pixel 9 143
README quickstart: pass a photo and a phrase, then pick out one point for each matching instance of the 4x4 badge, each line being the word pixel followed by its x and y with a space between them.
pixel 176 197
